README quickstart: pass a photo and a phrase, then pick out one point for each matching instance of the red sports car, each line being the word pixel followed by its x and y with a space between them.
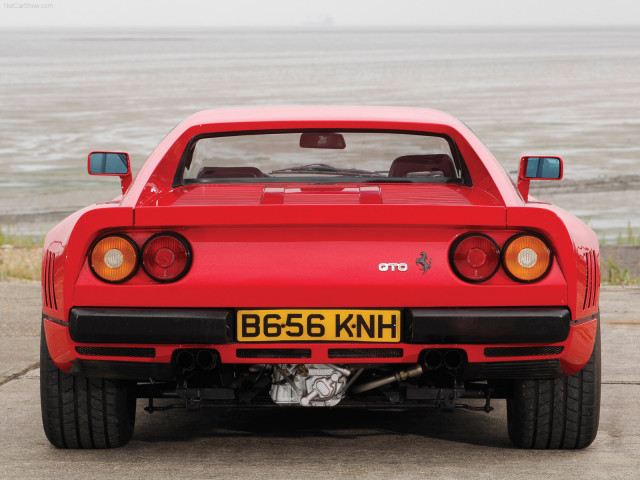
pixel 321 257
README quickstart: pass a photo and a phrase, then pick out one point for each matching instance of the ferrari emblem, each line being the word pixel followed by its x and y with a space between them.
pixel 422 262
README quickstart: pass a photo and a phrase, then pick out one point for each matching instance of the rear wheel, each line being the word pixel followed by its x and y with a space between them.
pixel 82 412
pixel 557 413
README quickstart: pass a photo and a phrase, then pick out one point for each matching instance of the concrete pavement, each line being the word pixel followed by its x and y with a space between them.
pixel 318 443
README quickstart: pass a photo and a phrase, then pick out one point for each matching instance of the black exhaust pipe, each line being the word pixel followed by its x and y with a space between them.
pixel 185 360
pixel 206 359
pixel 432 359
pixel 453 359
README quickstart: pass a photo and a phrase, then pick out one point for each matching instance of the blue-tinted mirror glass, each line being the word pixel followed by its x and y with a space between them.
pixel 543 167
pixel 108 163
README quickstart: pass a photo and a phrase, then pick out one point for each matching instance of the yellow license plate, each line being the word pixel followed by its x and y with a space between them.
pixel 297 325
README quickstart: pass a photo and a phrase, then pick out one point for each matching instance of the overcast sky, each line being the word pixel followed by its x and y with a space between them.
pixel 304 13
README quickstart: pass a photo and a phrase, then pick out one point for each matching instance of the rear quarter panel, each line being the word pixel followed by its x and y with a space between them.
pixel 577 254
pixel 65 251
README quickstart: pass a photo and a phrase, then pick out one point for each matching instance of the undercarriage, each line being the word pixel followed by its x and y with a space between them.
pixel 320 385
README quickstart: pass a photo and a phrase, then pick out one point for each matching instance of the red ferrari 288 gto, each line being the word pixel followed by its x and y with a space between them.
pixel 321 257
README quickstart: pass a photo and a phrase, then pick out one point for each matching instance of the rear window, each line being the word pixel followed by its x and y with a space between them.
pixel 321 156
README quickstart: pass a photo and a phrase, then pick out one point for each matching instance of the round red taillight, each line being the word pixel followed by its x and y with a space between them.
pixel 166 257
pixel 474 257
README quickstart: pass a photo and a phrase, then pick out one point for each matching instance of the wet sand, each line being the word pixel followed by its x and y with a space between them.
pixel 572 93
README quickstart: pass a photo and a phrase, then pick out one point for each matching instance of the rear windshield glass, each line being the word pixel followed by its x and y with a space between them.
pixel 321 156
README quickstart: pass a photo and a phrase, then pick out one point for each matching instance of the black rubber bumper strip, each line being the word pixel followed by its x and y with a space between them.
pixel 62 323
pixel 489 325
pixel 149 326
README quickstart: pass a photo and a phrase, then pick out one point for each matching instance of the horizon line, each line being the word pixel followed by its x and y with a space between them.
pixel 185 28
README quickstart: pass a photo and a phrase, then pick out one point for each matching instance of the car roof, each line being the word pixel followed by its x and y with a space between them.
pixel 157 172
pixel 322 113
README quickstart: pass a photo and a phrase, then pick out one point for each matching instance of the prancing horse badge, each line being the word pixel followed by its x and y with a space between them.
pixel 421 261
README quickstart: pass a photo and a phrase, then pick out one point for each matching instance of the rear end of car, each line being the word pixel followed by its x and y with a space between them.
pixel 320 292
pixel 362 290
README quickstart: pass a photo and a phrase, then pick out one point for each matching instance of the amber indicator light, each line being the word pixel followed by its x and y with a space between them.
pixel 114 258
pixel 526 258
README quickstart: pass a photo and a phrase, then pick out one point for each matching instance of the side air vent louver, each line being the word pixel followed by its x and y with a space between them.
pixel 49 291
pixel 596 280
pixel 591 281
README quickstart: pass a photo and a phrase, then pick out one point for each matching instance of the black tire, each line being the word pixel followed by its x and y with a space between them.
pixel 82 412
pixel 558 413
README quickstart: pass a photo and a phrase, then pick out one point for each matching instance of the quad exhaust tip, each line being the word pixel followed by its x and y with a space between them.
pixel 185 360
pixel 203 359
pixel 453 359
pixel 433 359
pixel 436 358
pixel 206 359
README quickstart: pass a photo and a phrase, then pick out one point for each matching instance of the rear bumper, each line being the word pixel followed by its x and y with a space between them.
pixel 150 326
pixel 498 342
pixel 215 326
pixel 489 325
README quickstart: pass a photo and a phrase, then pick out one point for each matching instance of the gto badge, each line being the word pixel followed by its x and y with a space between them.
pixel 421 261
pixel 401 267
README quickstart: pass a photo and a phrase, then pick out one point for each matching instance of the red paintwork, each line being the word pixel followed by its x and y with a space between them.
pixel 298 245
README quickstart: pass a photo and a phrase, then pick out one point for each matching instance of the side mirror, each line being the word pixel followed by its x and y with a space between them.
pixel 111 163
pixel 537 168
